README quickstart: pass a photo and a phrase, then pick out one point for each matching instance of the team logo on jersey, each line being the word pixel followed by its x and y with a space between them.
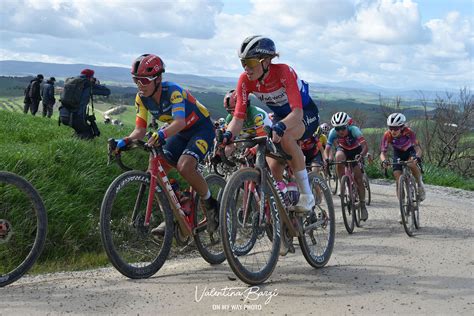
pixel 258 120
pixel 176 97
pixel 202 145
pixel 165 118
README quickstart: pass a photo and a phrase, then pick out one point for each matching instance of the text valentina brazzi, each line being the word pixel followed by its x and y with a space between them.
pixel 248 293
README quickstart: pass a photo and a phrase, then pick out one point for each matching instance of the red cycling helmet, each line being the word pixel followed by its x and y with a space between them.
pixel 230 100
pixel 148 65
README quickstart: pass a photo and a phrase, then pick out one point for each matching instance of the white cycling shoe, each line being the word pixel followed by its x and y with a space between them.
pixel 305 203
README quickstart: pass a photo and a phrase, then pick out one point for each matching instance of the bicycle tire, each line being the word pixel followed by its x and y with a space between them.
pixel 211 256
pixel 347 205
pixel 333 181
pixel 368 193
pixel 319 261
pixel 119 261
pixel 357 209
pixel 11 179
pixel 416 208
pixel 405 204
pixel 228 216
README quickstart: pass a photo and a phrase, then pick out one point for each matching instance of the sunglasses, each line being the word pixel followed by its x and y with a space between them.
pixel 392 128
pixel 144 81
pixel 250 62
pixel 340 128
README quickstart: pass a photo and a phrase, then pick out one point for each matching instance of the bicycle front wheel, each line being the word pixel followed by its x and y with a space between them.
pixel 249 230
pixel 209 244
pixel 131 247
pixel 23 227
pixel 319 226
pixel 332 180
pixel 347 205
pixel 406 205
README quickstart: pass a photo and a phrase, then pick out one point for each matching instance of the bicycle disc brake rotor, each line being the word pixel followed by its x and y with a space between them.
pixel 6 231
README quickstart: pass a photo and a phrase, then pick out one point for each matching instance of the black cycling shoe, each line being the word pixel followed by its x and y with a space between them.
pixel 212 214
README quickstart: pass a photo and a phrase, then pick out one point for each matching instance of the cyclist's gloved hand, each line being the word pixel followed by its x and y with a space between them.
pixel 327 161
pixel 358 157
pixel 122 143
pixel 385 163
pixel 279 128
pixel 418 159
pixel 159 137
pixel 227 137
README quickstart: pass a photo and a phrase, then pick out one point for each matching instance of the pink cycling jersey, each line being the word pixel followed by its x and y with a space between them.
pixel 406 140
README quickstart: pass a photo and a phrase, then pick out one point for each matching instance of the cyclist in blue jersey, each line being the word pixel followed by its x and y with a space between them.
pixel 189 135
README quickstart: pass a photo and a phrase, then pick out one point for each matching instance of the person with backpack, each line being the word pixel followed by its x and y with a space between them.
pixel 47 94
pixel 33 95
pixel 75 97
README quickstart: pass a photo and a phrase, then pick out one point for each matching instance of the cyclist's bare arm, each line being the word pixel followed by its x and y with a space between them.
pixel 138 133
pixel 418 149
pixel 327 152
pixel 365 148
pixel 175 127
pixel 235 126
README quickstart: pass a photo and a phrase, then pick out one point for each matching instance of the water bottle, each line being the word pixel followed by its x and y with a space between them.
pixel 293 192
pixel 284 192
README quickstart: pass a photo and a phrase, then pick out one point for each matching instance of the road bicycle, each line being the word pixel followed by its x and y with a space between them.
pixel 350 203
pixel 254 218
pixel 23 227
pixel 138 201
pixel 408 196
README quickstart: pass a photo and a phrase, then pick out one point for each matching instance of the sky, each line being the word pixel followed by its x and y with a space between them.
pixel 407 44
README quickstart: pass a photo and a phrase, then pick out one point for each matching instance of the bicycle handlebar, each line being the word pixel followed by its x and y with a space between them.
pixel 116 156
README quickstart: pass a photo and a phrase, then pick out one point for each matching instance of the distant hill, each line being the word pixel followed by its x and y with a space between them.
pixel 121 75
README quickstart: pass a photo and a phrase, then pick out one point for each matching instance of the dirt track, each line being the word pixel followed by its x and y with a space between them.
pixel 377 270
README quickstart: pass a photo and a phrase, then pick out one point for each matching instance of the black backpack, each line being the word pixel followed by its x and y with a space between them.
pixel 27 99
pixel 72 92
pixel 34 91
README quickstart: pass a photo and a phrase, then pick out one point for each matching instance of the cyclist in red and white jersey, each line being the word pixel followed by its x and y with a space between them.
pixel 295 114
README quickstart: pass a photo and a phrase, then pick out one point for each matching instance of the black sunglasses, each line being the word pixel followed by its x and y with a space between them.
pixel 340 128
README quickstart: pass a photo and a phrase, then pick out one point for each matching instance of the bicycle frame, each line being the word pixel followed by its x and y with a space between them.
pixel 156 168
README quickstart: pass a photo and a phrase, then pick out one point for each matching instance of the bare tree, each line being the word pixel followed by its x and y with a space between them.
pixel 450 145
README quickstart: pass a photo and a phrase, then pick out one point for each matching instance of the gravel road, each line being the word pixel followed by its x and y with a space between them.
pixel 377 270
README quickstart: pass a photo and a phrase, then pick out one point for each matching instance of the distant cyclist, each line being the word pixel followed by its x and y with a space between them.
pixel 405 147
pixel 313 150
pixel 189 135
pixel 255 121
pixel 351 145
pixel 325 128
pixel 296 115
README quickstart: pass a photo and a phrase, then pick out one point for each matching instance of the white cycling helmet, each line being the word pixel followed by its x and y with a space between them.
pixel 340 119
pixel 221 121
pixel 396 119
pixel 325 128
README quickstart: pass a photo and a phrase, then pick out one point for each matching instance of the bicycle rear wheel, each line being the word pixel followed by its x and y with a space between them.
pixel 347 204
pixel 319 226
pixel 256 262
pixel 209 244
pixel 23 227
pixel 129 244
pixel 406 205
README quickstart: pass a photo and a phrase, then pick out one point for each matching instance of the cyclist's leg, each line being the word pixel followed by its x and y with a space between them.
pixel 340 156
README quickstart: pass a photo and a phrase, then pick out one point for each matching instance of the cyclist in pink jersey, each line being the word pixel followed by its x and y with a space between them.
pixel 295 114
pixel 405 147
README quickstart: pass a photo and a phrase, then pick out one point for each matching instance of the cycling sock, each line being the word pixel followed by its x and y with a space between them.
pixel 303 182
pixel 207 195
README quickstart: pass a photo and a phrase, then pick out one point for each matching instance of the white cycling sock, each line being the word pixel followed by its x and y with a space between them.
pixel 303 182
pixel 207 195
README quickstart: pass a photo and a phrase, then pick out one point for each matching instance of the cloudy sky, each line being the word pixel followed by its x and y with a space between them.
pixel 390 43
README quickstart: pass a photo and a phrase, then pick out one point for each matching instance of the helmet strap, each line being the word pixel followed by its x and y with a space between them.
pixel 265 70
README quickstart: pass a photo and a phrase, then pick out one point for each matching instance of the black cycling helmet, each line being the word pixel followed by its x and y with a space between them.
pixel 257 46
